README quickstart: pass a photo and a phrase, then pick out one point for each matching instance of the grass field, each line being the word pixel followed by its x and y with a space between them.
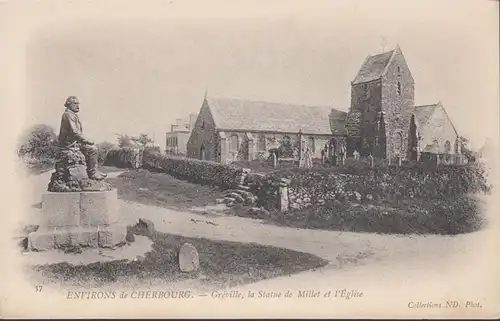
pixel 222 264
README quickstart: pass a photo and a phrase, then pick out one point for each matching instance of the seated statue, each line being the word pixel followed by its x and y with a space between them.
pixel 76 164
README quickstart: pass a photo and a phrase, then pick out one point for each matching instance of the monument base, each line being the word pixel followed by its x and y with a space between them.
pixel 53 238
pixel 78 219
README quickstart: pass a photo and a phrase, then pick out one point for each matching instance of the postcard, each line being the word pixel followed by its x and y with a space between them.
pixel 250 159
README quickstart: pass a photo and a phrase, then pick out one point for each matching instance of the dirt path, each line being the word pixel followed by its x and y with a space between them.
pixel 362 260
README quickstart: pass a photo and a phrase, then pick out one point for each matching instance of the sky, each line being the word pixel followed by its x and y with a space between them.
pixel 138 67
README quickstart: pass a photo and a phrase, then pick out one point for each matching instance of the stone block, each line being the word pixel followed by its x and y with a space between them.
pixel 77 172
pixel 60 209
pixel 41 240
pixel 112 235
pixel 86 238
pixel 99 208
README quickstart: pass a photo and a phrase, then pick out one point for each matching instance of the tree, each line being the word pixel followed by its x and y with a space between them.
pixel 142 140
pixel 39 142
pixel 125 141
pixel 465 148
pixel 102 151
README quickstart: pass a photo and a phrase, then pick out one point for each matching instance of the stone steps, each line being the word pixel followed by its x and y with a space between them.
pixel 239 195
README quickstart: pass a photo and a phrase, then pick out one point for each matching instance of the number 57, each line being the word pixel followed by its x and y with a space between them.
pixel 38 288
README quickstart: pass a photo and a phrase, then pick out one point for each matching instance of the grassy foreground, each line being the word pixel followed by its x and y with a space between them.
pixel 222 264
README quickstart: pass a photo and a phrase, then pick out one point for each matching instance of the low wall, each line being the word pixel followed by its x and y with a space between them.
pixel 194 170
pixel 304 188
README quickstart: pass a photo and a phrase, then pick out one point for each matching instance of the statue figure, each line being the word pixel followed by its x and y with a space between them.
pixel 76 164
pixel 71 137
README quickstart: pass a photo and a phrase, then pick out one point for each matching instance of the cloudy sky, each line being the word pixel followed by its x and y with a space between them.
pixel 137 67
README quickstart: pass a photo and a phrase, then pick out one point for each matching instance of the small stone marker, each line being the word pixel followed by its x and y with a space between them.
pixel 370 158
pixel 189 259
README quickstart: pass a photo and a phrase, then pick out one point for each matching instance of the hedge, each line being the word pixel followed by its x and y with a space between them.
pixel 125 157
pixel 194 170
pixel 402 182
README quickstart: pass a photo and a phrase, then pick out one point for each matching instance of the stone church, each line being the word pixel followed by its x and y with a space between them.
pixel 382 121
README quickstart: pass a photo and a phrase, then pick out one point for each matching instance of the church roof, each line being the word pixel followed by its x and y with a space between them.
pixel 373 67
pixel 424 113
pixel 244 115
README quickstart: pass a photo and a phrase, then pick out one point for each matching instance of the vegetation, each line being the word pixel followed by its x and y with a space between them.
pixel 142 140
pixel 38 144
pixel 222 264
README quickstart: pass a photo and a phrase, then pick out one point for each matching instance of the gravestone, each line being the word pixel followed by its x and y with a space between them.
pixel 189 259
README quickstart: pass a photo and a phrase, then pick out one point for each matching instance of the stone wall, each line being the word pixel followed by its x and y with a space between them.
pixel 319 187
pixel 362 121
pixel 398 103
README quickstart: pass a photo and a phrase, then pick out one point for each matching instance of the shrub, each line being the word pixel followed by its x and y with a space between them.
pixel 446 216
pixel 102 151
pixel 124 157
pixel 194 170
pixel 38 144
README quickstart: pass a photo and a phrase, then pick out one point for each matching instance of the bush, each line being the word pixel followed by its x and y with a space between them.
pixel 102 151
pixel 124 157
pixel 194 170
pixel 38 144
pixel 446 216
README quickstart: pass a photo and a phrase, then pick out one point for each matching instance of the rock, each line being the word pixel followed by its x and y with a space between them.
pixel 228 200
pixel 189 259
pixel 243 187
pixel 219 201
pixel 71 174
pixel 236 197
pixel 130 237
pixel 77 172
pixel 30 228
pixel 356 196
pixel 148 225
pixel 369 197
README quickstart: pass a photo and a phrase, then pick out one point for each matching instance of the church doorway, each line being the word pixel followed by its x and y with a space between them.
pixel 202 152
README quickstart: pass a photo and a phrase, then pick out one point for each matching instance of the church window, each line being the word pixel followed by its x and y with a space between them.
pixel 234 146
pixel 399 88
pixel 376 141
pixel 261 142
pixel 399 142
pixel 447 147
pixel 202 124
pixel 399 70
pixel 311 144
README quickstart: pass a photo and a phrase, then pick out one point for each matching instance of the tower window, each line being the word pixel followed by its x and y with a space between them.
pixel 399 88
pixel 399 70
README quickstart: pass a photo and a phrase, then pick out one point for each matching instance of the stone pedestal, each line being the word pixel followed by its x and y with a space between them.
pixel 87 219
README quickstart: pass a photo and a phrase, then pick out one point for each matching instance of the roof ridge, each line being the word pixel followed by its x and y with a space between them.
pixel 271 102
pixel 427 105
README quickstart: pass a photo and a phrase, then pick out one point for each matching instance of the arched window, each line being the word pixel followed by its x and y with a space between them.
pixel 398 144
pixel 399 88
pixel 235 143
pixel 447 147
pixel 261 142
pixel 310 144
